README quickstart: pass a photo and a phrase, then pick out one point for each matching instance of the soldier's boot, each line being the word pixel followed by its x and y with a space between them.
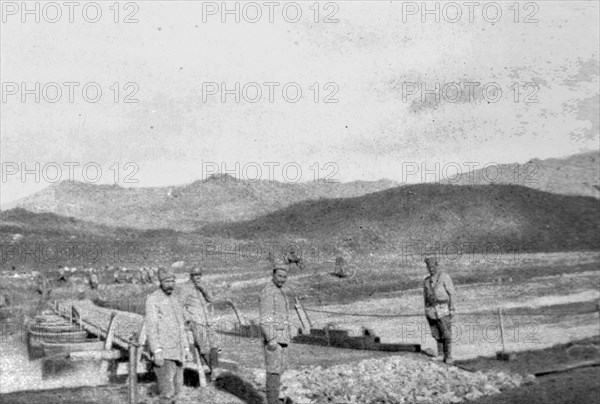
pixel 273 382
pixel 448 352
pixel 440 351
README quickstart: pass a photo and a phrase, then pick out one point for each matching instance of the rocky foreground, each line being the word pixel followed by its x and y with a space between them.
pixel 391 381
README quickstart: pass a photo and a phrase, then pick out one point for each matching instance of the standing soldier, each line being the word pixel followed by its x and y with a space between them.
pixel 195 297
pixel 339 266
pixel 116 273
pixel 439 295
pixel 275 328
pixel 154 274
pixel 62 275
pixel 293 258
pixel 43 286
pixel 3 301
pixel 146 276
pixel 167 337
pixel 93 279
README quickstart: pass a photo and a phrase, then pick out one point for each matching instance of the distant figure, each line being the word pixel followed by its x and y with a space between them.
pixel 167 338
pixel 154 274
pixel 63 277
pixel 93 280
pixel 275 328
pixel 339 266
pixel 195 297
pixel 43 286
pixel 439 295
pixel 145 276
pixel 116 276
pixel 127 276
pixel 3 301
pixel 133 276
pixel 293 258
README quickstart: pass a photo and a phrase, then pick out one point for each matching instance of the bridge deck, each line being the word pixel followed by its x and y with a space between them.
pixel 96 320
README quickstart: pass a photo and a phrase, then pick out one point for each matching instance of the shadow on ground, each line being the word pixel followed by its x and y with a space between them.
pixel 233 384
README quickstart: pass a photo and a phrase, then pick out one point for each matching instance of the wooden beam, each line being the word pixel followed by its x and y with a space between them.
pixel 110 333
pixel 107 354
pixel 133 376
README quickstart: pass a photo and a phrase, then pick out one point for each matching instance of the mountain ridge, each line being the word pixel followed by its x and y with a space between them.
pixel 222 198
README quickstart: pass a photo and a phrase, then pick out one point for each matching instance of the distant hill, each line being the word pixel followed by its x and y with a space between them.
pixel 405 219
pixel 24 222
pixel 220 198
pixel 434 213
pixel 575 175
pixel 44 240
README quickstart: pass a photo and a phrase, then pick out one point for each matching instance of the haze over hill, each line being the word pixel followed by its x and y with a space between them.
pixel 503 215
pixel 220 198
pixel 42 241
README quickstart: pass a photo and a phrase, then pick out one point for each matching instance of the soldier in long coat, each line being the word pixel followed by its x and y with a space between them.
pixel 167 337
pixel 195 297
pixel 276 332
pixel 439 296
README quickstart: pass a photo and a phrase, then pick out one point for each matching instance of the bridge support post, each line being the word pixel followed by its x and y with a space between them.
pixel 133 377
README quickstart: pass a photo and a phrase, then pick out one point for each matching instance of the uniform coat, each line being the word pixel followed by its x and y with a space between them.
pixel 165 325
pixel 274 314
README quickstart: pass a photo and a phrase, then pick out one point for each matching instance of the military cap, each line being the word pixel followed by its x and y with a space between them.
pixel 277 267
pixel 196 271
pixel 165 273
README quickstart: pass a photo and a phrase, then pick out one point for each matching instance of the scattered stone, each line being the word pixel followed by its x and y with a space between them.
pixel 392 380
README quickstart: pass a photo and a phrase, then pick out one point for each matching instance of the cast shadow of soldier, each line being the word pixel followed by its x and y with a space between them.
pixel 235 385
pixel 227 382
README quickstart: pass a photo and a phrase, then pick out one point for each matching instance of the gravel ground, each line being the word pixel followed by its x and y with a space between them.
pixel 396 380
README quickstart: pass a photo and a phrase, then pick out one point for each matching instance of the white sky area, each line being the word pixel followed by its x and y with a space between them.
pixel 371 133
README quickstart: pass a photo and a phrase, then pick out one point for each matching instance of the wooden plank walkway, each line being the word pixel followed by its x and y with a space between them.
pixel 96 320
pixel 127 327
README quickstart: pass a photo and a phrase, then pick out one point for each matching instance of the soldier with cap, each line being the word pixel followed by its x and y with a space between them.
pixel 275 328
pixel 195 297
pixel 439 295
pixel 93 279
pixel 167 338
pixel 116 277
pixel 62 275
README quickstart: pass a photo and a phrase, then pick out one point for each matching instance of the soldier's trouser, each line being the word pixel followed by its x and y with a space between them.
pixel 275 363
pixel 275 360
pixel 170 380
pixel 441 330
pixel 273 385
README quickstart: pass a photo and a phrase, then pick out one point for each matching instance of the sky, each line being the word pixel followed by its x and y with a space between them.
pixel 369 61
